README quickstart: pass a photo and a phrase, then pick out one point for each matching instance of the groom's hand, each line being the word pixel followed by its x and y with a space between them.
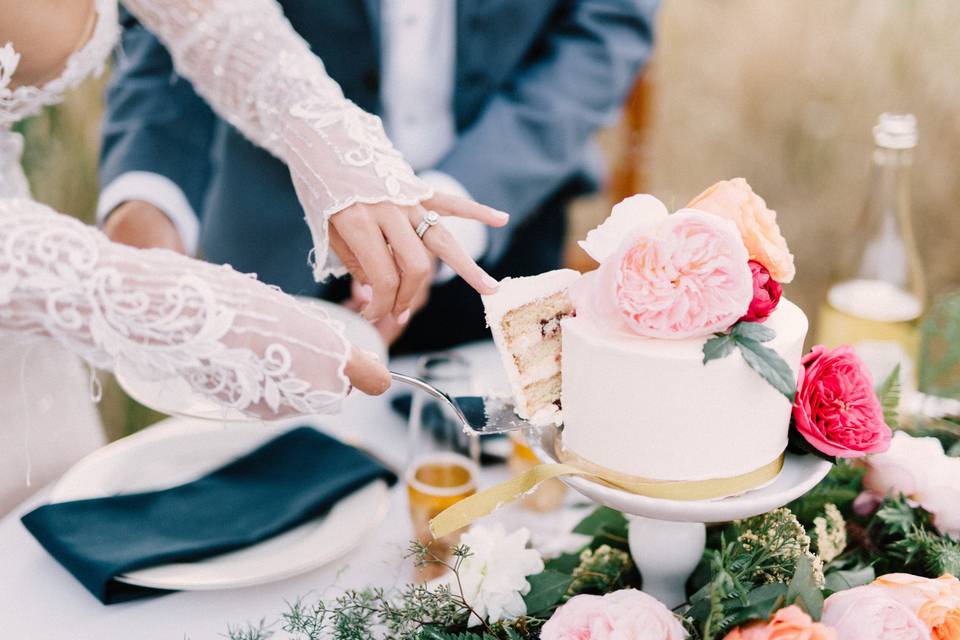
pixel 142 225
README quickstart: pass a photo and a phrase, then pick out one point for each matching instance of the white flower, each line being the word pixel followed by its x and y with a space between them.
pixel 493 576
pixel 9 59
pixel 634 214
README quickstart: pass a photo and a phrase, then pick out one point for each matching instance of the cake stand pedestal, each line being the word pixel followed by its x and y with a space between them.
pixel 667 537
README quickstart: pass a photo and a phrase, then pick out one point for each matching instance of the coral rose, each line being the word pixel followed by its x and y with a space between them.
pixel 620 615
pixel 836 409
pixel 789 623
pixel 868 613
pixel 766 294
pixel 735 200
pixel 686 277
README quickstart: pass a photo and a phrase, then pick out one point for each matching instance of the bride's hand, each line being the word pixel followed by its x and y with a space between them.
pixel 367 373
pixel 378 244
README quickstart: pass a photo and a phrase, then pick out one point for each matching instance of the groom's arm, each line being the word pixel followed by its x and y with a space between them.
pixel 531 136
pixel 156 140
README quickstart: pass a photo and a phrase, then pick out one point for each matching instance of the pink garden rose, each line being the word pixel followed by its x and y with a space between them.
pixel 627 614
pixel 836 409
pixel 685 277
pixel 766 294
pixel 935 601
pixel 789 623
pixel 736 201
pixel 867 613
pixel 918 469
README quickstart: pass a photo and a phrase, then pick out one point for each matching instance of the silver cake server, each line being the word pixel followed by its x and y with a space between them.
pixel 478 415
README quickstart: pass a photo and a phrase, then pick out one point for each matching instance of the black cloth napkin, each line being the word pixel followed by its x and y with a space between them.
pixel 289 480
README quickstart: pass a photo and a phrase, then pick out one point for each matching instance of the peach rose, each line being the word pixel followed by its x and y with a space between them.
pixel 789 623
pixel 687 276
pixel 620 615
pixel 735 200
pixel 868 613
pixel 935 601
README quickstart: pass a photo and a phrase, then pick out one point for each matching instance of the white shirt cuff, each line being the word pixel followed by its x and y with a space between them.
pixel 159 191
pixel 472 235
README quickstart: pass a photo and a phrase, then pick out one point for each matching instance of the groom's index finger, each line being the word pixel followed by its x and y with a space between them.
pixel 449 205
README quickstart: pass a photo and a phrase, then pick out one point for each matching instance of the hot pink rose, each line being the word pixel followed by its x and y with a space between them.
pixel 735 200
pixel 766 294
pixel 619 615
pixel 685 277
pixel 836 409
pixel 867 613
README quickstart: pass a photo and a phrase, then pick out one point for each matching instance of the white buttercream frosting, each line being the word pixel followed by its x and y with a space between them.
pixel 651 408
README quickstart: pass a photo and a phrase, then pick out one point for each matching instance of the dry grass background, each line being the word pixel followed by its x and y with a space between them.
pixel 782 92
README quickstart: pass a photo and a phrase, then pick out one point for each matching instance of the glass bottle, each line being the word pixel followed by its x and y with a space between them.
pixel 878 292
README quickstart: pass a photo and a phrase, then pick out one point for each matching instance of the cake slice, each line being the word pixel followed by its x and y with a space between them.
pixel 524 316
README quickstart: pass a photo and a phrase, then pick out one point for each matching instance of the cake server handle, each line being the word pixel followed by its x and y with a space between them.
pixel 477 415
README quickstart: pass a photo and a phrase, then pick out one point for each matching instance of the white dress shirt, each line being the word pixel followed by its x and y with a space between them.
pixel 418 49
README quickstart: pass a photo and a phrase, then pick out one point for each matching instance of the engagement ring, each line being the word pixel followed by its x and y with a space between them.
pixel 428 221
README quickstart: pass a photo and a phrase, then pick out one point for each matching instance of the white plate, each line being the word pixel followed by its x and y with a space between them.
pixel 799 474
pixel 177 451
pixel 175 397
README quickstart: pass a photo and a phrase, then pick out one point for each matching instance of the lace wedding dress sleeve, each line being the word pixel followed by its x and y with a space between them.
pixel 235 339
pixel 245 59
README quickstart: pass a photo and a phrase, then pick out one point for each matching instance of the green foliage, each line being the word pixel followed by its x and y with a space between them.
pixel 546 590
pixel 889 394
pixel 927 553
pixel 840 487
pixel 804 589
pixel 601 570
pixel 749 338
pixel 848 578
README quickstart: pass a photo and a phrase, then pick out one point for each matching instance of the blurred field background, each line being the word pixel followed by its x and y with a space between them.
pixel 782 93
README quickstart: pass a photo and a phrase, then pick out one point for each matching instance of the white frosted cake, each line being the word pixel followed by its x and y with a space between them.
pixel 653 383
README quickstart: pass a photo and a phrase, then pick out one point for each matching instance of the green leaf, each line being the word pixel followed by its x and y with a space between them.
pixel 603 520
pixel 761 603
pixel 720 346
pixel 546 590
pixel 754 331
pixel 768 363
pixel 564 563
pixel 889 394
pixel 849 578
pixel 436 633
pixel 803 589
pixel 896 516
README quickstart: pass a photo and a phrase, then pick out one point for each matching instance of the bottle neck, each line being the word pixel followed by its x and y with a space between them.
pixel 890 185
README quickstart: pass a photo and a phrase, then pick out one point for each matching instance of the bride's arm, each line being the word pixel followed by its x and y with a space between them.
pixel 45 33
pixel 233 338
pixel 246 60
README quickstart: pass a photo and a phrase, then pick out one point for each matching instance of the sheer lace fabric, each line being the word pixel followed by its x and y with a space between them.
pixel 233 338
pixel 246 60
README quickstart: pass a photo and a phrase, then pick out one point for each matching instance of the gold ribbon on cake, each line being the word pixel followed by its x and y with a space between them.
pixel 476 506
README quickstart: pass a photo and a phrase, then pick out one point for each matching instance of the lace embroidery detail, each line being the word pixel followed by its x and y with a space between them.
pixel 165 315
pixel 22 102
pixel 246 60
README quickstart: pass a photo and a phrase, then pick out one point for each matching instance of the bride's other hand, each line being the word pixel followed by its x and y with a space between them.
pixel 140 224
pixel 378 245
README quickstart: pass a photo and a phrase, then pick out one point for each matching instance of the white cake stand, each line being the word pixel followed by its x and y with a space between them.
pixel 668 537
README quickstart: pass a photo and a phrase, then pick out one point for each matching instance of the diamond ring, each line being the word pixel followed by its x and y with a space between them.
pixel 429 220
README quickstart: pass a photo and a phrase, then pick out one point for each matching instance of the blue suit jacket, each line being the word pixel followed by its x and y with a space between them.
pixel 535 79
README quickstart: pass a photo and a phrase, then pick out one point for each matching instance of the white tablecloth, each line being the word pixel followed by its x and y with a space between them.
pixel 39 600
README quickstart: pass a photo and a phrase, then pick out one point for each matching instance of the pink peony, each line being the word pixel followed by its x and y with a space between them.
pixel 686 277
pixel 789 623
pixel 766 294
pixel 936 602
pixel 918 469
pixel 867 613
pixel 620 615
pixel 736 201
pixel 836 409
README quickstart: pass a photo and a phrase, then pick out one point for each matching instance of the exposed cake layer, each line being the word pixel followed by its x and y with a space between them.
pixel 524 317
pixel 651 408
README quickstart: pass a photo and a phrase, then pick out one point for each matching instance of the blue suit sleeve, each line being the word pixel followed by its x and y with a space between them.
pixel 154 121
pixel 532 135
